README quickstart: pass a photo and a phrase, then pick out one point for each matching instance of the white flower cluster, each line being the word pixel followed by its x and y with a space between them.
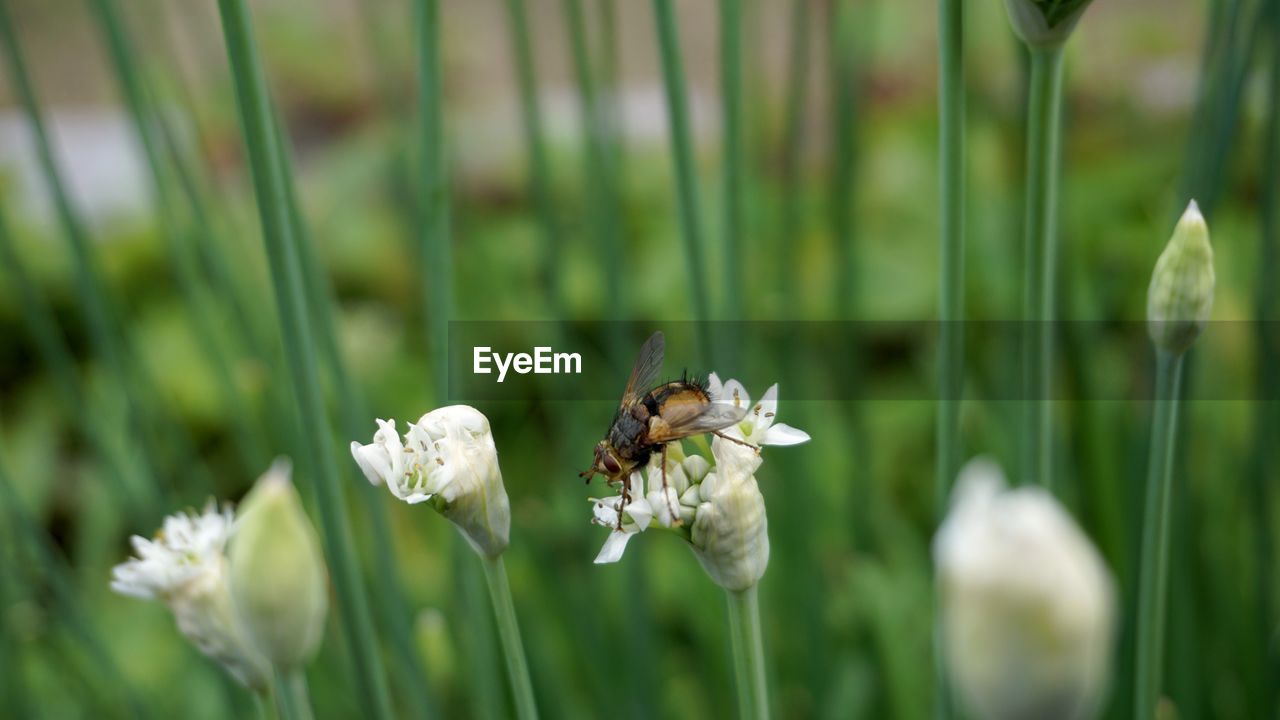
pixel 1027 603
pixel 248 591
pixel 720 503
pixel 448 458
pixel 185 567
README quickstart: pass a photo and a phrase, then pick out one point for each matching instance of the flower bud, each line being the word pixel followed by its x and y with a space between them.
pixel 1045 23
pixel 447 458
pixel 1181 294
pixel 1026 602
pixel 185 568
pixel 730 533
pixel 278 577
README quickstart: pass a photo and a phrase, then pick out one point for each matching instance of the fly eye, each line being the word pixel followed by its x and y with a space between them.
pixel 611 465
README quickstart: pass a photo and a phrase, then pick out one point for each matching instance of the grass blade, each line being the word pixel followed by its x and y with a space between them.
pixel 270 186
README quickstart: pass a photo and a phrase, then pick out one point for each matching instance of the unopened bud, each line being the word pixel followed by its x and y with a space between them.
pixel 1045 23
pixel 278 576
pixel 1181 294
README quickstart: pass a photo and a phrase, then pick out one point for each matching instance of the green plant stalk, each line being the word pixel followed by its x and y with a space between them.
pixel 270 187
pixel 793 145
pixel 1044 117
pixel 951 113
pixel 433 193
pixel 734 151
pixel 495 574
pixel 685 167
pixel 246 436
pixel 1154 562
pixel 42 325
pixel 951 176
pixel 289 689
pixel 748 653
pixel 535 146
pixel 94 300
pixel 598 173
pixel 408 669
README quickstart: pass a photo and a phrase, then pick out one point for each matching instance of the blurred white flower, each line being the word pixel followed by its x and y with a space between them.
pixel 758 427
pixel 185 567
pixel 448 458
pixel 721 510
pixel 1026 602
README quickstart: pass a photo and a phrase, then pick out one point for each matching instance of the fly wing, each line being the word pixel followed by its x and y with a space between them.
pixel 645 372
pixel 691 412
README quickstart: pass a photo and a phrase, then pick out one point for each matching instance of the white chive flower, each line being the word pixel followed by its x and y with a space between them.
pixel 758 427
pixel 447 458
pixel 185 567
pixel 1027 606
pixel 720 509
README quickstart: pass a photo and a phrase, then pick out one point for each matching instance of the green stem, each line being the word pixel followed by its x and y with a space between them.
pixel 535 146
pixel 734 155
pixel 495 572
pixel 270 186
pixel 793 146
pixel 951 244
pixel 951 280
pixel 1154 567
pixel 748 653
pixel 1044 116
pixel 685 166
pixel 433 191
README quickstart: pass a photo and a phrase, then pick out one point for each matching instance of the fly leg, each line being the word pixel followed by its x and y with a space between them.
pixel 744 443
pixel 675 516
pixel 626 500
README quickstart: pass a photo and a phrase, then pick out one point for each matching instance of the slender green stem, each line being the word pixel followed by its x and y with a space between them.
pixel 793 145
pixel 1044 115
pixel 535 146
pixel 734 165
pixel 599 178
pixel 1154 567
pixel 270 186
pixel 951 243
pixel 685 165
pixel 951 173
pixel 433 190
pixel 748 653
pixel 408 670
pixel 289 690
pixel 495 572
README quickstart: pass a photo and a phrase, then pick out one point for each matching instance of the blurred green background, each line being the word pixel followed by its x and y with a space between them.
pixel 1166 100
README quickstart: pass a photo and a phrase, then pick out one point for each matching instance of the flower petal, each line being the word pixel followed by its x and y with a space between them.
pixel 613 547
pixel 783 434
pixel 763 412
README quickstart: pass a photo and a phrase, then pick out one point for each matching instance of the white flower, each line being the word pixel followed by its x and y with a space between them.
pixel 185 567
pixel 730 533
pixel 758 427
pixel 1027 606
pixel 636 516
pixel 448 457
pixel 720 509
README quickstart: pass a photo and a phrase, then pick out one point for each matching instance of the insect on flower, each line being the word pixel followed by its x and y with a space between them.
pixel 648 419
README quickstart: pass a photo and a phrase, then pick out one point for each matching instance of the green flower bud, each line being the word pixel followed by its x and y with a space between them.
pixel 1045 23
pixel 1181 293
pixel 277 572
